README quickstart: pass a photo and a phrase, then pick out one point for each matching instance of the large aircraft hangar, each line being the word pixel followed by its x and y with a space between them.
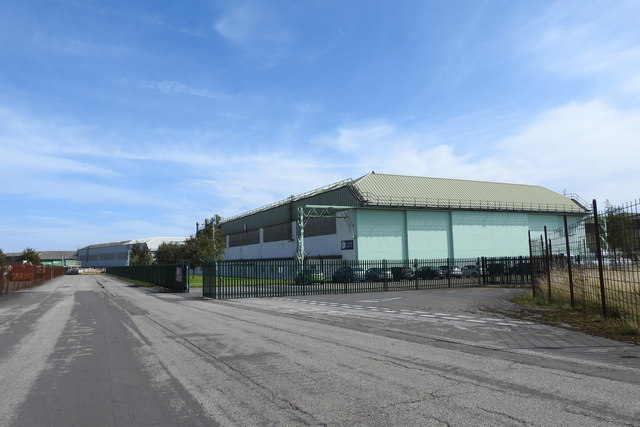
pixel 397 217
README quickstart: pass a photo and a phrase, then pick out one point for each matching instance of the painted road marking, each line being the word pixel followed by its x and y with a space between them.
pixel 415 313
pixel 379 300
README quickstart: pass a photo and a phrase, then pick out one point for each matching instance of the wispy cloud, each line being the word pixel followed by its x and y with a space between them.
pixel 53 44
pixel 536 94
pixel 590 148
pixel 24 162
pixel 256 31
pixel 592 40
pixel 249 22
pixel 52 160
pixel 169 87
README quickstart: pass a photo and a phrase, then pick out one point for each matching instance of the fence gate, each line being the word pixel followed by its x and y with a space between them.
pixel 316 276
pixel 208 279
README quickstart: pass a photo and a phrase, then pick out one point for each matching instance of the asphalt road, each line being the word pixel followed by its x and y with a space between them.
pixel 93 351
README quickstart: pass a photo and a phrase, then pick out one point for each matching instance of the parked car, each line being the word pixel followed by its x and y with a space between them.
pixel 495 269
pixel 348 274
pixel 449 271
pixel 521 268
pixel 308 277
pixel 378 274
pixel 471 270
pixel 427 273
pixel 402 273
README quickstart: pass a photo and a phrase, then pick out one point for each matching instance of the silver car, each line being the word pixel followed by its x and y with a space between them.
pixel 378 274
pixel 471 271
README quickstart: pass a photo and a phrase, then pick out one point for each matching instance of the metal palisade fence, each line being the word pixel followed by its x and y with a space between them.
pixel 270 278
pixel 173 277
pixel 593 264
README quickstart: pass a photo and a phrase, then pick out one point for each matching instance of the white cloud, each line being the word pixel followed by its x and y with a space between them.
pixel 36 153
pixel 264 177
pixel 53 136
pixel 590 148
pixel 598 40
pixel 59 45
pixel 352 139
pixel 239 25
pixel 249 22
pixel 24 162
pixel 52 160
pixel 383 147
pixel 573 51
pixel 169 87
pixel 256 31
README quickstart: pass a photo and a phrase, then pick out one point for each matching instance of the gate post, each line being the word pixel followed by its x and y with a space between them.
pixel 599 257
pixel 569 266
pixel 485 271
pixel 384 275
pixel 208 277
pixel 531 269
pixel 547 257
pixel 185 275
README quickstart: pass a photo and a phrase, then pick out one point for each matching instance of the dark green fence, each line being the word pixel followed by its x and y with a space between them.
pixel 173 277
pixel 250 279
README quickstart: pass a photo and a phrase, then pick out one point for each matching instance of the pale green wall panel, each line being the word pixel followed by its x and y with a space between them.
pixel 556 222
pixel 489 234
pixel 538 221
pixel 428 234
pixel 381 234
pixel 402 234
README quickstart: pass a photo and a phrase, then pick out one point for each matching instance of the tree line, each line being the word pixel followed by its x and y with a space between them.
pixel 207 243
pixel 28 255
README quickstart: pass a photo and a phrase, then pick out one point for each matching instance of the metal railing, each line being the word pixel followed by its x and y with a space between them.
pixel 377 200
pixel 173 277
pixel 254 279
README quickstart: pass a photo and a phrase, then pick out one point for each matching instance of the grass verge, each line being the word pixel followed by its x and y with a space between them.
pixel 561 315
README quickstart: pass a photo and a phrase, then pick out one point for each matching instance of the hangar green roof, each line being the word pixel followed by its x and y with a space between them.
pixel 388 190
pixel 402 190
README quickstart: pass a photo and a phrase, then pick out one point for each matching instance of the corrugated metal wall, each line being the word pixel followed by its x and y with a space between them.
pixel 288 212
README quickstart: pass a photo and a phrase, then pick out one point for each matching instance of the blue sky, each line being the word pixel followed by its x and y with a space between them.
pixel 131 119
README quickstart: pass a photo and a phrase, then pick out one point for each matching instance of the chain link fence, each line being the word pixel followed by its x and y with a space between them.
pixel 593 264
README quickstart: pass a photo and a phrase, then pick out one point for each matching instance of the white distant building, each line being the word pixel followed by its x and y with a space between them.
pixel 118 253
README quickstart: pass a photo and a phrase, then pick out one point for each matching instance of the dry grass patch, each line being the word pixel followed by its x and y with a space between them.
pixel 622 292
pixel 561 315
